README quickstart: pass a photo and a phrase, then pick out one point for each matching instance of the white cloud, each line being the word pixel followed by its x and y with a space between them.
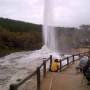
pixel 22 10
pixel 72 12
pixel 65 12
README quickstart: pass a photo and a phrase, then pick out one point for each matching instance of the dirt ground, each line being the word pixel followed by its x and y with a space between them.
pixel 81 50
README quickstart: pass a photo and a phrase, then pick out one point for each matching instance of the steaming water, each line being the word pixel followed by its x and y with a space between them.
pixel 21 64
pixel 49 32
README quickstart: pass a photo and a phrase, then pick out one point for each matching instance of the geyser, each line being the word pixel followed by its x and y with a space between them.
pixel 49 32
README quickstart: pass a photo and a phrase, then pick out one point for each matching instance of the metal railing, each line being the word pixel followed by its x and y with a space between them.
pixel 38 74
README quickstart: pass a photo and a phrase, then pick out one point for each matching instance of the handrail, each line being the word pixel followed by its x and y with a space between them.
pixel 37 71
pixel 67 58
pixel 20 83
pixel 15 86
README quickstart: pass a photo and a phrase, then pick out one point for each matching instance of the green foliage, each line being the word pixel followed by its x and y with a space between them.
pixel 18 26
pixel 16 36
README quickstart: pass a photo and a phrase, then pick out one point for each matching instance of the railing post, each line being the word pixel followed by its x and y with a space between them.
pixel 38 79
pixel 60 65
pixel 79 56
pixel 73 58
pixel 13 87
pixel 50 62
pixel 67 61
pixel 89 53
pixel 44 68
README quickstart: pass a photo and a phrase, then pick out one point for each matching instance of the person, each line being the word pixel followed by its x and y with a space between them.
pixel 86 71
pixel 55 66
pixel 83 62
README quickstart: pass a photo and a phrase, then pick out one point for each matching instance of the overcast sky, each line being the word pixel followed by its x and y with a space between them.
pixel 65 12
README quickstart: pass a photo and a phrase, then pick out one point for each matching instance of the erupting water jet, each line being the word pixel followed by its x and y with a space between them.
pixel 49 32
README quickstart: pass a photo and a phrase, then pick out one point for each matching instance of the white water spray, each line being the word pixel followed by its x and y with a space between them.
pixel 49 33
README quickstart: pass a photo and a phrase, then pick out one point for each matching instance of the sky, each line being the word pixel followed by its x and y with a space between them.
pixel 64 12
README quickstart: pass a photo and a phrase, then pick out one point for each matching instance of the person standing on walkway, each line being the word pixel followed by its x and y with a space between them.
pixel 86 71
pixel 83 62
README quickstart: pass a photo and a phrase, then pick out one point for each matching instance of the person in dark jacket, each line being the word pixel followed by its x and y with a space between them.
pixel 83 62
pixel 86 71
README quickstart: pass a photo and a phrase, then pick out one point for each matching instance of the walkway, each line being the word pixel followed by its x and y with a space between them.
pixel 68 79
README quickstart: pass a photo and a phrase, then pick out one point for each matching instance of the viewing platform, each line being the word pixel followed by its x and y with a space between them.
pixel 67 79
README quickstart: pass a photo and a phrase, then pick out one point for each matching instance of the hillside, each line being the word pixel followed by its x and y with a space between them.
pixel 18 36
pixel 71 38
pixel 17 26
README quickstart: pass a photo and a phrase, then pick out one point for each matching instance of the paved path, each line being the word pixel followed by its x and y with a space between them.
pixel 68 79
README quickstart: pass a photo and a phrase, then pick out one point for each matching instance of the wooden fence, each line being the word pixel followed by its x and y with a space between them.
pixel 69 60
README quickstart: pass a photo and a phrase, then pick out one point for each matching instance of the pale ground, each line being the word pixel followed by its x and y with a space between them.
pixel 82 50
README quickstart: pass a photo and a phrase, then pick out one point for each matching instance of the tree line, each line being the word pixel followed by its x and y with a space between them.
pixel 18 36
